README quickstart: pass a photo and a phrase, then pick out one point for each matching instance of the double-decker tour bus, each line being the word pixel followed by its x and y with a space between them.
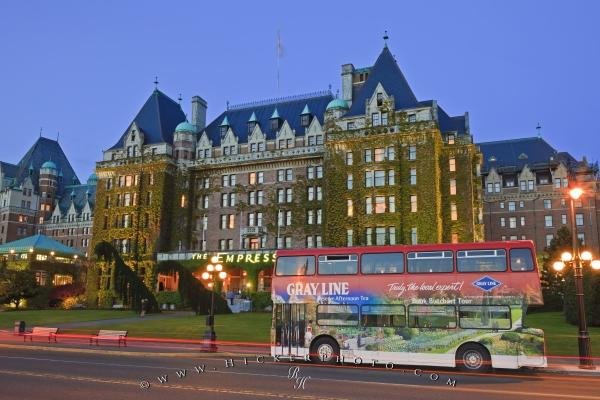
pixel 451 305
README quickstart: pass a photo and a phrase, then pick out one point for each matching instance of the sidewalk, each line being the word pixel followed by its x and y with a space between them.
pixel 148 347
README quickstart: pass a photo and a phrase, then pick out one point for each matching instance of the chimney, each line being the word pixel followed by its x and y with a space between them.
pixel 347 74
pixel 198 113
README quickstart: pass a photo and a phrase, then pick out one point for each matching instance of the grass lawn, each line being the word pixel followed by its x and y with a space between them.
pixel 48 317
pixel 244 327
pixel 561 337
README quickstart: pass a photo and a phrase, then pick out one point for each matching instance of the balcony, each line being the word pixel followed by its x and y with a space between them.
pixel 250 231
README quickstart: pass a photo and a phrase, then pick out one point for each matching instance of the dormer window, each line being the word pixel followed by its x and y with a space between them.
pixel 379 99
pixel 252 123
pixel 224 126
pixel 275 121
pixel 132 136
pixel 412 117
pixel 305 120
pixel 451 138
pixel 223 130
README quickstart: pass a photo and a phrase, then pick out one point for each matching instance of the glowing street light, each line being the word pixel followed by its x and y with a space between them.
pixel 214 272
pixel 578 260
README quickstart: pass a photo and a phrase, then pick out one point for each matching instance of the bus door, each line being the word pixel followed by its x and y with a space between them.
pixel 290 326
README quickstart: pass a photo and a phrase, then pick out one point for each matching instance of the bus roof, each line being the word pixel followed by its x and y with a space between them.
pixel 403 248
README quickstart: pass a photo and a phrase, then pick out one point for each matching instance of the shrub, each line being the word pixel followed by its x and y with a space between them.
pixel 166 297
pixel 261 300
pixel 105 299
pixel 73 302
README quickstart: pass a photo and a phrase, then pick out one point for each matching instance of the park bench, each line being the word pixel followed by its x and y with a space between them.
pixel 49 333
pixel 103 334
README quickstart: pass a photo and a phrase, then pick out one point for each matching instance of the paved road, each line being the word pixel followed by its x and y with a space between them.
pixel 32 375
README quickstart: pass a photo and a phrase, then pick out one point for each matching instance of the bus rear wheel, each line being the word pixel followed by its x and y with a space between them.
pixel 325 351
pixel 473 358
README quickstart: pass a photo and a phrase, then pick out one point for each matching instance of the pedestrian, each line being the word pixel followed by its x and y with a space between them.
pixel 144 306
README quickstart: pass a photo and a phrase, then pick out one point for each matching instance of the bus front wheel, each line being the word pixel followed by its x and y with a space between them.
pixel 325 351
pixel 473 358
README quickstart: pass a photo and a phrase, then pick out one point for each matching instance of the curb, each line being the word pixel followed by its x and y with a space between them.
pixel 568 372
pixel 102 351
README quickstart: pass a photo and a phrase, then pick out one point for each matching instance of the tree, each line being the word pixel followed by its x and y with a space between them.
pixel 553 282
pixel 17 285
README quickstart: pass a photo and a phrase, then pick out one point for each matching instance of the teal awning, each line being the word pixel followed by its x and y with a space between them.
pixel 40 244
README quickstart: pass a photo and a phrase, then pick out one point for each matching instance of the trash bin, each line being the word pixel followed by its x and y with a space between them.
pixel 19 327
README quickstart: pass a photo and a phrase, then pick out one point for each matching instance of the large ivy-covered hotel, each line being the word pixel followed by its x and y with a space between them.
pixel 371 166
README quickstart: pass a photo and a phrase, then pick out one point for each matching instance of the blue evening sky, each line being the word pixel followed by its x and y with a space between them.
pixel 84 68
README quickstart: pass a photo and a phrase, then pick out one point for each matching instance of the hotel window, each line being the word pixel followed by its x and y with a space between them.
pixel 502 222
pixel 368 178
pixel 452 164
pixel 581 237
pixel 319 216
pixel 288 195
pixel 549 238
pixel 565 182
pixel 348 158
pixel 350 208
pixel 379 204
pixel 375 119
pixel 349 181
pixel 413 176
pixel 453 212
pixel 391 204
pixel 530 185
pixel 310 193
pixel 512 206
pixel 548 221
pixel 319 193
pixel 412 117
pixel 563 202
pixel 454 237
pixel 379 178
pixel 563 219
pixel 521 204
pixel 413 236
pixel 384 118
pixel 512 222
pixel 128 180
pixel 412 152
pixel 281 195
pixel 259 197
pixel 413 203
pixel 369 236
pixel 579 219
pixel 490 188
pixel 349 237
pixel 288 242
pixel 522 221
pixel 310 214
pixel 380 236
pixel 548 204
pixel 369 205
pixel 452 186
pixel 379 99
pixel 557 182
pixel 350 126
pixel 391 177
pixel 379 154
pixel 319 171
pixel 523 186
pixel 497 187
pixel 450 139
pixel 309 242
pixel 390 153
pixel 310 173
pixel 368 155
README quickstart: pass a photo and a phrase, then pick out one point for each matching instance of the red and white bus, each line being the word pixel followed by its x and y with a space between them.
pixel 452 305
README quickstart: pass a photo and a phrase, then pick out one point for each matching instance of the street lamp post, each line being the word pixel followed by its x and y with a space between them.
pixel 577 260
pixel 214 272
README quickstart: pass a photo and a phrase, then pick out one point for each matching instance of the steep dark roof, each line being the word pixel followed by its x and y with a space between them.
pixel 386 72
pixel 517 153
pixel 9 170
pixel 288 110
pixel 157 119
pixel 43 150
pixel 81 197
pixel 448 123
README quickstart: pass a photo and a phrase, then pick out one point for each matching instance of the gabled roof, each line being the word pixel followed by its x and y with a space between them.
pixel 157 119
pixel 40 244
pixel 517 153
pixel 288 110
pixel 43 150
pixel 80 199
pixel 386 72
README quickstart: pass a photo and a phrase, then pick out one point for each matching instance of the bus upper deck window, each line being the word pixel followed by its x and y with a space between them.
pixel 346 264
pixel 521 260
pixel 296 265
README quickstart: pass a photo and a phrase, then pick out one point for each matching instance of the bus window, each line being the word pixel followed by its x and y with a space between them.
pixel 431 316
pixel 338 264
pixel 337 315
pixel 484 317
pixel 430 261
pixel 481 260
pixel 382 263
pixel 386 315
pixel 521 260
pixel 296 265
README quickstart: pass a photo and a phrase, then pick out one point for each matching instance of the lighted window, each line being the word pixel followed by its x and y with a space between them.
pixel 453 212
pixel 379 154
pixel 379 204
pixel 413 203
pixel 452 186
pixel 350 208
pixel 452 164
